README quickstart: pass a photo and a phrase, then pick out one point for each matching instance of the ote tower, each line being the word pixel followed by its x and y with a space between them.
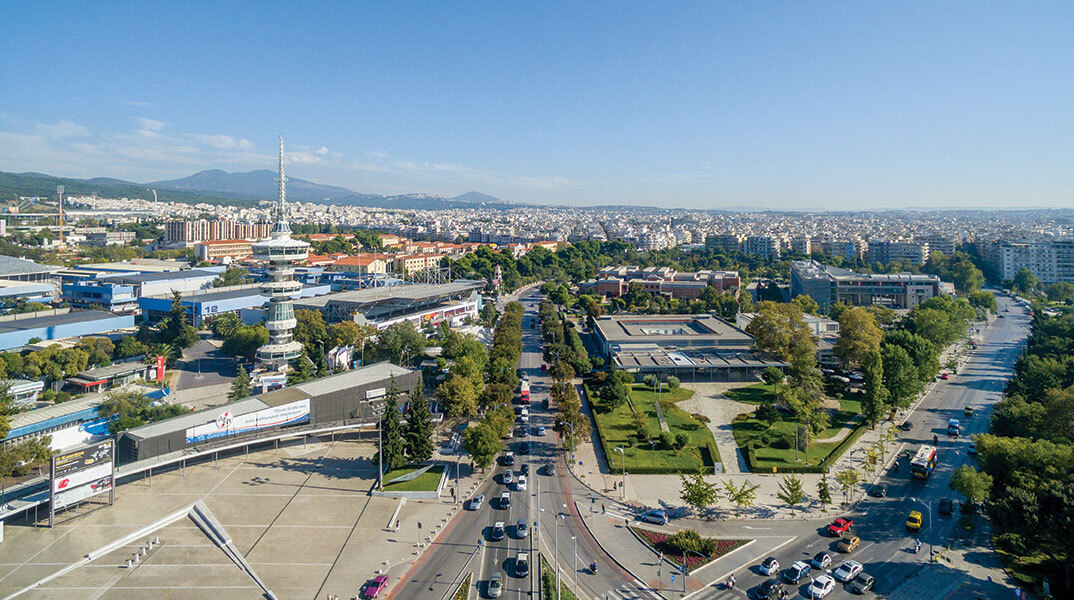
pixel 280 252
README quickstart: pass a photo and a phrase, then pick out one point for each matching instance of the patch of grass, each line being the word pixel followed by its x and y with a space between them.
pixel 548 583
pixel 616 428
pixel 426 482
pixel 747 429
pixel 755 394
pixel 464 588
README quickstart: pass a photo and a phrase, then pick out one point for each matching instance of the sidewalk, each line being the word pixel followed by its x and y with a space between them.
pixel 962 574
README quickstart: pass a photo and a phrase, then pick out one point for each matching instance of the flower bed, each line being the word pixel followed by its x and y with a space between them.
pixel 659 542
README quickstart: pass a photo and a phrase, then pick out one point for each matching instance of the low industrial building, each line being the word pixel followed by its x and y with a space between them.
pixel 104 378
pixel 21 391
pixel 691 347
pixel 167 282
pixel 17 269
pixel 69 424
pixel 356 395
pixel 827 285
pixel 18 330
pixel 110 296
pixel 205 304
pixel 13 292
pixel 420 304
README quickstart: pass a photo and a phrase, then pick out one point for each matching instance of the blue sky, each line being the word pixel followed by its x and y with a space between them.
pixel 702 105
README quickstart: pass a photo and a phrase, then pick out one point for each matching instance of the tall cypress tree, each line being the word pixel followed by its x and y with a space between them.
pixel 240 388
pixel 419 429
pixel 392 431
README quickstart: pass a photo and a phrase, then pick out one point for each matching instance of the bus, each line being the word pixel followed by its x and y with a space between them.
pixel 922 464
pixel 524 392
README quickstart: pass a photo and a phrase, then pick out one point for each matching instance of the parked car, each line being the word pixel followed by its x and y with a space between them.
pixel 497 532
pixel 913 520
pixel 770 565
pixel 770 589
pixel 849 543
pixel 821 560
pixel 495 585
pixel 522 529
pixel 840 526
pixel 821 586
pixel 477 501
pixel 505 500
pixel 862 583
pixel 798 571
pixel 848 571
pixel 520 484
pixel 656 516
pixel 947 506
pixel 879 490
pixel 522 564
pixel 375 587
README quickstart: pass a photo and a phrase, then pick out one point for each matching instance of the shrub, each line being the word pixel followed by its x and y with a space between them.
pixel 673 382
pixel 681 439
pixel 667 440
pixel 48 395
pixel 701 418
pixel 767 412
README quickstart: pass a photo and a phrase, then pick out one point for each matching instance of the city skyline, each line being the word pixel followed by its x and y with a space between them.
pixel 777 108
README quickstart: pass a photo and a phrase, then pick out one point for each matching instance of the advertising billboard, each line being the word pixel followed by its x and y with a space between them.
pixel 226 424
pixel 80 474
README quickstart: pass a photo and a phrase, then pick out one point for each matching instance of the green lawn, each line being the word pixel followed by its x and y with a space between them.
pixel 617 431
pixel 426 482
pixel 746 428
pixel 755 394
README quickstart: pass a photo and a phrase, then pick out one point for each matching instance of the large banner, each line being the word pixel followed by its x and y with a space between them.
pixel 226 424
pixel 81 474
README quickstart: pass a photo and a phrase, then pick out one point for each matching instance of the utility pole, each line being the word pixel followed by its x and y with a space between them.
pixel 59 190
pixel 380 455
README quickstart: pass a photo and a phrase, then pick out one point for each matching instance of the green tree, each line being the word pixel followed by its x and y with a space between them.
pixel 900 377
pixel 698 493
pixel 874 404
pixel 344 333
pixel 848 478
pixel 790 491
pixel 232 276
pixel 808 305
pixel 401 343
pixel 575 429
pixel 394 446
pixel 175 329
pixel 240 387
pixel 780 330
pixel 772 376
pixel 482 443
pixel 222 325
pixel 489 314
pixel 858 335
pixel 1026 281
pixel 1060 291
pixel 673 382
pixel 641 426
pixel 458 397
pixel 310 327
pixel 742 496
pixel 824 492
pixel 245 340
pixel 419 429
pixel 303 369
pixel 974 485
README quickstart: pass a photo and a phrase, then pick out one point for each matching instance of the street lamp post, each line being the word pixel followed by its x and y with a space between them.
pixel 928 505
pixel 623 454
pixel 571 425
pixel 575 578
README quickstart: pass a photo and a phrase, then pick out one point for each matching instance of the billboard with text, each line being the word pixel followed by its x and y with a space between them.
pixel 225 424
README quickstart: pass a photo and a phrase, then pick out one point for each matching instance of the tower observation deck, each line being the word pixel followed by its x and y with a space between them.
pixel 280 252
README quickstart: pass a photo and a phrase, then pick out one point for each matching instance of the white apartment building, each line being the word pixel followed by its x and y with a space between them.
pixel 1049 261
pixel 762 245
pixel 885 251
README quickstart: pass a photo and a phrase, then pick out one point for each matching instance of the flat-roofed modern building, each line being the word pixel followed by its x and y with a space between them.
pixel 17 331
pixel 691 347
pixel 354 396
pixel 383 306
pixel 17 269
pixel 69 423
pixel 827 285
pixel 206 304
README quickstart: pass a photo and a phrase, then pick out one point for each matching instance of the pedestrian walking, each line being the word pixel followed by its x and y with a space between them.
pixel 602 509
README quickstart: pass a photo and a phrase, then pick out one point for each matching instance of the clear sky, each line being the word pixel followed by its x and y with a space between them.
pixel 702 105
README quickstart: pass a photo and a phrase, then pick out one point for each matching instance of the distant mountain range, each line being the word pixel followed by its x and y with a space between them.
pixel 216 186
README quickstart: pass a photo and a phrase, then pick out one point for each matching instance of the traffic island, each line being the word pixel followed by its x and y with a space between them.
pixel 687 547
pixel 414 482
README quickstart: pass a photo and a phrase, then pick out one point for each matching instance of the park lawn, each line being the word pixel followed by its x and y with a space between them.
pixel 616 428
pixel 755 394
pixel 426 482
pixel 746 428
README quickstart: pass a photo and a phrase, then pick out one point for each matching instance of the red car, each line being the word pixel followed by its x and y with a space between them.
pixel 840 526
pixel 376 587
pixel 944 376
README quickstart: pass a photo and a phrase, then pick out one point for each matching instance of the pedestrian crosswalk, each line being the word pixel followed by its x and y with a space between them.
pixel 628 592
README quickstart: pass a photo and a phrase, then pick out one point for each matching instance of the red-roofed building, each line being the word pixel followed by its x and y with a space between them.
pixel 361 263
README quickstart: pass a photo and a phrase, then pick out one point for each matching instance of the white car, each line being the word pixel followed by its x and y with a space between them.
pixel 821 586
pixel 822 560
pixel 508 477
pixel 520 484
pixel 770 565
pixel 848 571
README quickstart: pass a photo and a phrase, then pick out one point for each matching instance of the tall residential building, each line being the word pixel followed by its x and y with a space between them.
pixel 727 242
pixel 280 252
pixel 938 243
pixel 1049 261
pixel 885 251
pixel 802 245
pixel 764 246
pixel 202 230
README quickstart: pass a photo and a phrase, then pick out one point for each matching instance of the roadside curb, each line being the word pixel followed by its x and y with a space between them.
pixel 613 558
